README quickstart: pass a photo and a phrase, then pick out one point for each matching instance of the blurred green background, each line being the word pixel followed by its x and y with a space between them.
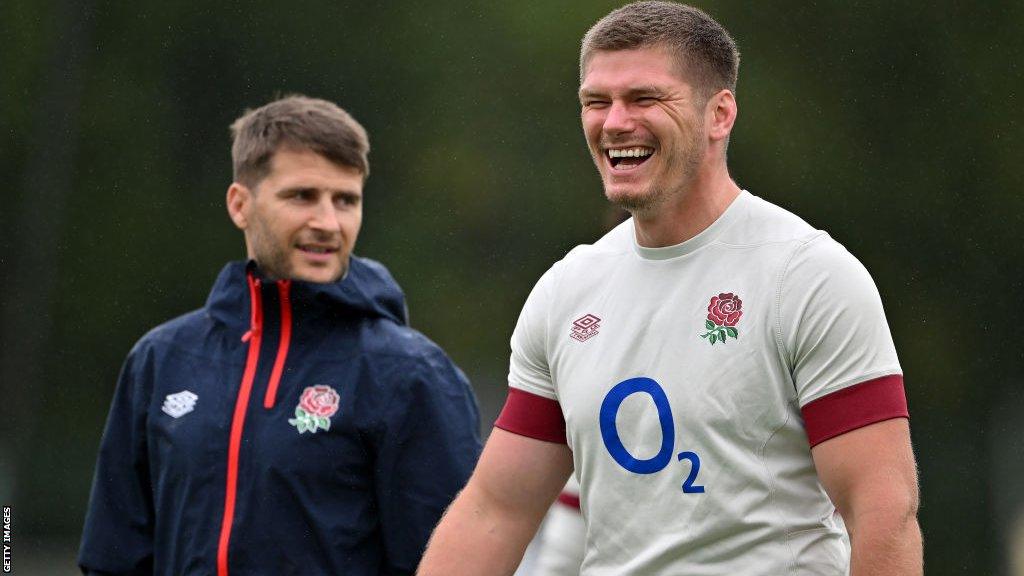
pixel 896 126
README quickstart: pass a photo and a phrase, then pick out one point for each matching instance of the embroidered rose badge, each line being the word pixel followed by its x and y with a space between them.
pixel 316 406
pixel 724 312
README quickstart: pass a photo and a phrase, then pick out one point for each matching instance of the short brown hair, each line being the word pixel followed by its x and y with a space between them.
pixel 707 55
pixel 300 122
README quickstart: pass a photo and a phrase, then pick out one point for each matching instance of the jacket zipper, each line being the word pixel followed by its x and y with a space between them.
pixel 254 336
pixel 282 345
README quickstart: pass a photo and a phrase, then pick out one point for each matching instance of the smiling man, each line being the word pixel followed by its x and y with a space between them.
pixel 718 373
pixel 295 424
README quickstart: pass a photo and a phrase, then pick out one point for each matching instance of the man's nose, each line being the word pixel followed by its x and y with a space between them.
pixel 619 119
pixel 325 216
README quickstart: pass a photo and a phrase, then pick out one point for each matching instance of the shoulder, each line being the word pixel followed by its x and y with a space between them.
pixel 370 268
pixel 592 259
pixel 418 377
pixel 394 340
pixel 763 223
pixel 405 354
pixel 801 249
pixel 822 257
pixel 183 331
pixel 825 290
pixel 797 253
pixel 180 335
pixel 616 243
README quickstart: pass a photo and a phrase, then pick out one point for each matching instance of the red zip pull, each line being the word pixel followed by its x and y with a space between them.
pixel 282 346
pixel 256 314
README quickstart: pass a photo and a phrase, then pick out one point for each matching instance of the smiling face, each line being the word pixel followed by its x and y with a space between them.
pixel 643 124
pixel 302 220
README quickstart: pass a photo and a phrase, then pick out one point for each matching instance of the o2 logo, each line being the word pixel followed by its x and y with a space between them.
pixel 610 433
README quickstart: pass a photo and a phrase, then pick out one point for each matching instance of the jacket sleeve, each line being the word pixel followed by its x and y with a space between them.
pixel 117 538
pixel 429 444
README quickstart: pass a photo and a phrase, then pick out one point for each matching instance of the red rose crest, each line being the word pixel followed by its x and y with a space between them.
pixel 724 312
pixel 316 406
pixel 320 400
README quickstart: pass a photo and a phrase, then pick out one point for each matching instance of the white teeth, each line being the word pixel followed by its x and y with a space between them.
pixel 629 152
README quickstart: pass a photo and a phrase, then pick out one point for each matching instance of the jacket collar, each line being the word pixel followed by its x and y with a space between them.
pixel 367 290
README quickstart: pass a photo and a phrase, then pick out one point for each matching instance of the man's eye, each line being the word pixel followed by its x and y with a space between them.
pixel 595 103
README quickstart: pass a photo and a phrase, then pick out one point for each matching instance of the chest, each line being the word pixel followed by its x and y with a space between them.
pixel 204 408
pixel 680 349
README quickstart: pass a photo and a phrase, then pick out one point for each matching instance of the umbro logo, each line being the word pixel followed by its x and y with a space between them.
pixel 585 327
pixel 177 405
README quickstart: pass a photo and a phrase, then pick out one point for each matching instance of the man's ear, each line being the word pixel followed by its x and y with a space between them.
pixel 722 111
pixel 239 199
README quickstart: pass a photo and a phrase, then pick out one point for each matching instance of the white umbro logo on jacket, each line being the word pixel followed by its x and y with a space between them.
pixel 177 405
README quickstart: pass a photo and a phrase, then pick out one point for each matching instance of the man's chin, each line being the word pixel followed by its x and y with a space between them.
pixel 318 275
pixel 631 200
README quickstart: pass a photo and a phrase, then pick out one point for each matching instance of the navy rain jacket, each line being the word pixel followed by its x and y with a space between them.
pixel 208 465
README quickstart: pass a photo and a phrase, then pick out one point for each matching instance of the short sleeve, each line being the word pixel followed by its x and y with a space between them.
pixel 528 366
pixel 831 323
pixel 532 407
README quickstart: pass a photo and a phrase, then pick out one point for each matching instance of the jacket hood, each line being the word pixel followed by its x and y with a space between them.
pixel 366 290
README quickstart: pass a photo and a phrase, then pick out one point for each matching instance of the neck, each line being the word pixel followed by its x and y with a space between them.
pixel 688 212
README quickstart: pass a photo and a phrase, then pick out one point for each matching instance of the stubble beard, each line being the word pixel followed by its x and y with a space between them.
pixel 646 204
pixel 271 259
pixel 636 204
pixel 275 262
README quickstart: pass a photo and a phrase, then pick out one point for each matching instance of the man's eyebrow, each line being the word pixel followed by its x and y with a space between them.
pixel 645 90
pixel 312 189
pixel 296 190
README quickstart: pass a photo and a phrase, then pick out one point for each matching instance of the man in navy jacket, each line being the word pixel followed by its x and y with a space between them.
pixel 295 424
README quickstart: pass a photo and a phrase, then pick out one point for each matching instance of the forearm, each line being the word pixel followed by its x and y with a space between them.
pixel 475 538
pixel 886 543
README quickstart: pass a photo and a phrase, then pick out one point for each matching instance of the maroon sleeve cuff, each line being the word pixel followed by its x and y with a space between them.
pixel 569 499
pixel 855 407
pixel 532 416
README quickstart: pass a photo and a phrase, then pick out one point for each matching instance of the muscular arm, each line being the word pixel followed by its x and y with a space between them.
pixel 487 528
pixel 871 477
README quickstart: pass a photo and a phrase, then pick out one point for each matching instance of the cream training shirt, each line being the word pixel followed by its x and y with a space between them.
pixel 681 373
